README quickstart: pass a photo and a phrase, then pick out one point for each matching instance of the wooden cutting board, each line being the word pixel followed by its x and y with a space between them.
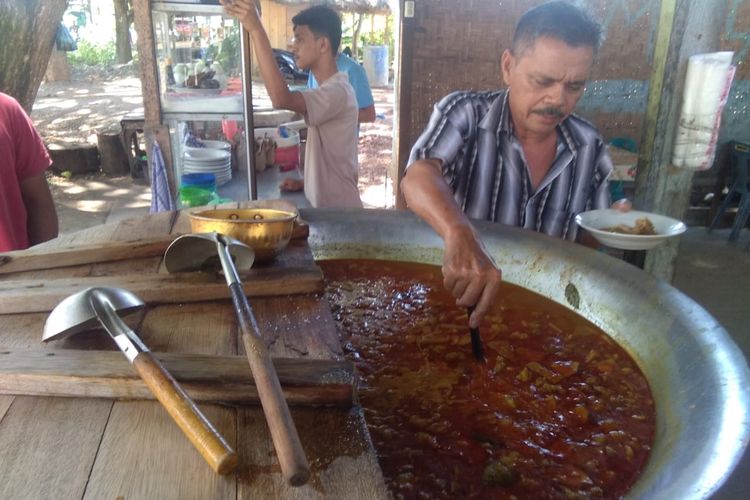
pixel 77 255
pixel 108 374
pixel 37 259
pixel 25 296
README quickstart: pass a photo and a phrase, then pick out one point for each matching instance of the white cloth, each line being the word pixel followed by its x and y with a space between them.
pixel 331 167
pixel 161 198
pixel 707 83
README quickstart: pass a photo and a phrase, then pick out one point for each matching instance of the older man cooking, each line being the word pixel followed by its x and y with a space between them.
pixel 517 156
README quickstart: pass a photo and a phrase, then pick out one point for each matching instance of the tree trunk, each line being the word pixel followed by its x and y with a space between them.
pixel 27 35
pixel 122 32
pixel 355 37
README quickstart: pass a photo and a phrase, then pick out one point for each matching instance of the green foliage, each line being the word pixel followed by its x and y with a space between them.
pixel 374 38
pixel 228 52
pixel 89 54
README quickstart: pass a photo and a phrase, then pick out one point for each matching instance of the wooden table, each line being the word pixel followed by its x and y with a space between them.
pixel 74 447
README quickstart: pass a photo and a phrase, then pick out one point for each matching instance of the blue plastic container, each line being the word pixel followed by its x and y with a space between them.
pixel 205 181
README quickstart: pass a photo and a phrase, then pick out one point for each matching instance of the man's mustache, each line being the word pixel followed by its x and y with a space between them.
pixel 550 111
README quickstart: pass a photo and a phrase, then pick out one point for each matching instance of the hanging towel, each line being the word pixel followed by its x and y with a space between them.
pixel 190 140
pixel 161 198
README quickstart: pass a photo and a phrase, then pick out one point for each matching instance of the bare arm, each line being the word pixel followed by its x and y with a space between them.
pixel 41 224
pixel 278 91
pixel 469 273
pixel 367 115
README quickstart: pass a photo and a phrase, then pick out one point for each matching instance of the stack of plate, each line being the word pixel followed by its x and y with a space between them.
pixel 211 144
pixel 208 161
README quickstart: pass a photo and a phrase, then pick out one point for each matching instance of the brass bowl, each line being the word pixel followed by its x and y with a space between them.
pixel 267 231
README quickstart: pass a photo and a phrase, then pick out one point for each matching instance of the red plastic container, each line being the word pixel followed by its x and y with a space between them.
pixel 287 158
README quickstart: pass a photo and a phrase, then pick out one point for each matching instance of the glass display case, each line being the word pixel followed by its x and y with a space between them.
pixel 201 70
pixel 199 59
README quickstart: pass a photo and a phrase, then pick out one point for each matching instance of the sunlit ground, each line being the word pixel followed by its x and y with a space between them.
pixel 376 154
pixel 87 201
pixel 70 113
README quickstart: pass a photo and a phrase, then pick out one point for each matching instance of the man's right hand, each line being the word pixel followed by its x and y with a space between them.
pixel 469 273
pixel 468 270
pixel 247 11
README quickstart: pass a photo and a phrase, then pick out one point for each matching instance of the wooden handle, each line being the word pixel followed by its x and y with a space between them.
pixel 292 460
pixel 188 417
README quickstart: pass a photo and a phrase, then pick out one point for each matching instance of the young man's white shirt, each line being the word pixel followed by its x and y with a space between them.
pixel 331 167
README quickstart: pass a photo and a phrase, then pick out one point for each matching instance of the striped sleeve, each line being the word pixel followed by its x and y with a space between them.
pixel 601 197
pixel 445 136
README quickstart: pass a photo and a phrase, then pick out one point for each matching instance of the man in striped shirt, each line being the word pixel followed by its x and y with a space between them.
pixel 518 157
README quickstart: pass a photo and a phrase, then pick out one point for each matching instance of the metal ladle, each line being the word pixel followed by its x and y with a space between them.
pixel 102 305
pixel 198 251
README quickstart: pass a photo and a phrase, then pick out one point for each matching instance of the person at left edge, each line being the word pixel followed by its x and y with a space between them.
pixel 27 210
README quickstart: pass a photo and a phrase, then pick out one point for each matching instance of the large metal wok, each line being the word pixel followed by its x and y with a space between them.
pixel 699 378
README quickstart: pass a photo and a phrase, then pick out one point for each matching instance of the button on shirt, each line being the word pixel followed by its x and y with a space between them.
pixel 483 163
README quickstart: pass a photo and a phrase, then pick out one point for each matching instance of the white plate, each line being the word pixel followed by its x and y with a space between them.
pixel 595 221
pixel 201 164
pixel 211 144
pixel 207 155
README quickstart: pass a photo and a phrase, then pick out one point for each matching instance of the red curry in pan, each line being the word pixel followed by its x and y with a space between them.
pixel 558 410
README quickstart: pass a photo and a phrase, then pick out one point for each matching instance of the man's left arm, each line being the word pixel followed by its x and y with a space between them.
pixel 281 97
pixel 366 115
pixel 361 86
pixel 41 223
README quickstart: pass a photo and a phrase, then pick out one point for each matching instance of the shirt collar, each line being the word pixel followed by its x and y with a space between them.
pixel 498 116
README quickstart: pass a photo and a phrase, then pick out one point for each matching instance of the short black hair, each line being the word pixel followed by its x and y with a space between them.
pixel 322 21
pixel 559 20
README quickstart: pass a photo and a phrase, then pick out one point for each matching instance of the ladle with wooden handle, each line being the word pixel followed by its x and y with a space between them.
pixel 83 310
pixel 199 251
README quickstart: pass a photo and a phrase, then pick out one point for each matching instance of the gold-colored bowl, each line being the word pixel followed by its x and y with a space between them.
pixel 267 231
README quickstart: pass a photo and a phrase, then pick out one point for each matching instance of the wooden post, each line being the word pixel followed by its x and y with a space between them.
pixel 58 69
pixel 404 136
pixel 659 186
pixel 147 61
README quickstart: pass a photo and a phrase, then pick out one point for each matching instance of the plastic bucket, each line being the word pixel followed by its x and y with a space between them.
pixel 376 65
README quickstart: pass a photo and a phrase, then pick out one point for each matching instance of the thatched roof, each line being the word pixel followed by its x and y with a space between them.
pixel 371 6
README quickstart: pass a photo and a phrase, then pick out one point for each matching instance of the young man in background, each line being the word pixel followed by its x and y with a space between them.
pixel 330 111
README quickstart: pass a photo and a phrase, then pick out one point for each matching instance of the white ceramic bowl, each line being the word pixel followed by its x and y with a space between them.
pixel 595 221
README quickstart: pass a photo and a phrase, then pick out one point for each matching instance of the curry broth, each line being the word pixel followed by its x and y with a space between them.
pixel 558 410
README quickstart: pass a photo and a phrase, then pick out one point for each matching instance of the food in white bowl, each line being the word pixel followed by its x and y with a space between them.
pixel 602 225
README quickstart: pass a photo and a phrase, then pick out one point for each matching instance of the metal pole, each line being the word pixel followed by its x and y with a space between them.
pixel 247 100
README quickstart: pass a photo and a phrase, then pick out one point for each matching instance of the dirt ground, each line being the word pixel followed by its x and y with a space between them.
pixel 96 99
